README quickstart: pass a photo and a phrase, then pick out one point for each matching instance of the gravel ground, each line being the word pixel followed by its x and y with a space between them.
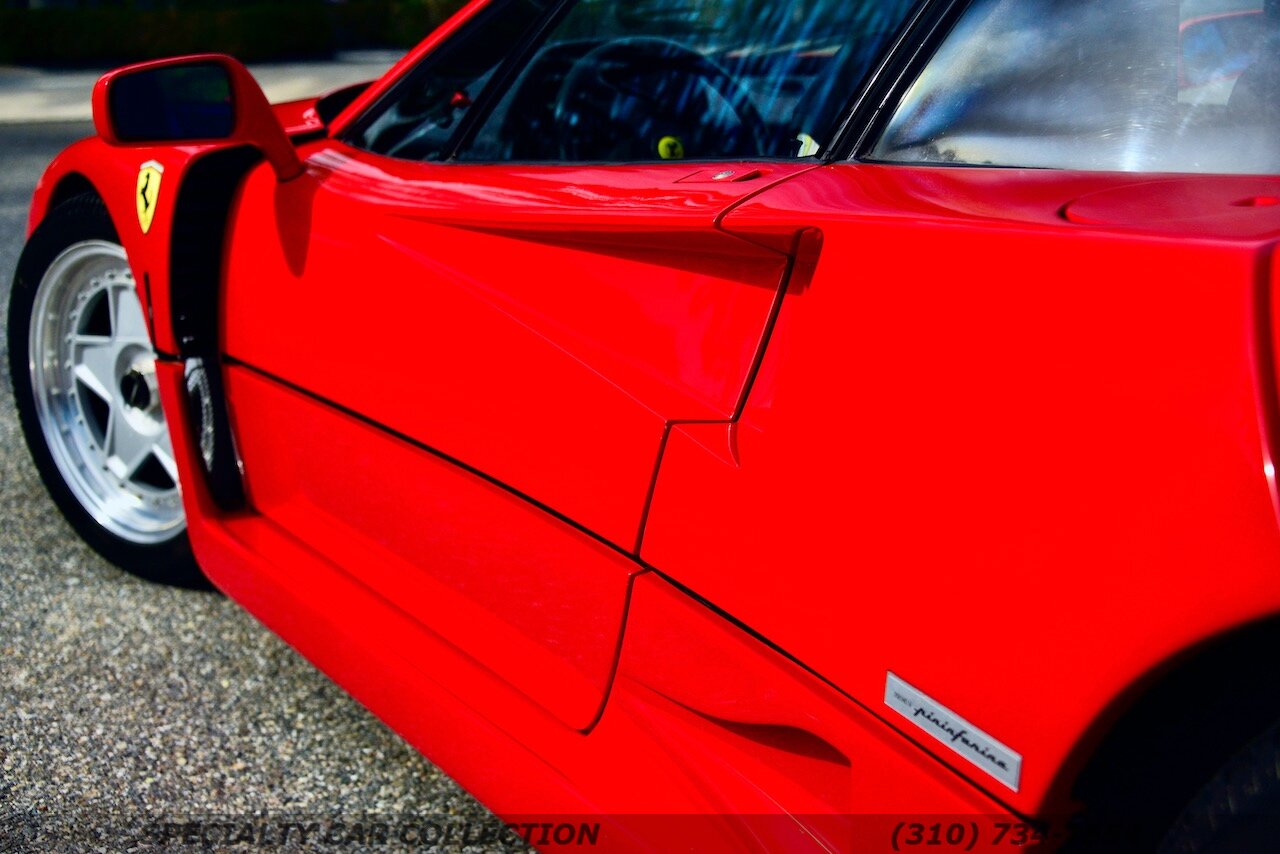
pixel 126 707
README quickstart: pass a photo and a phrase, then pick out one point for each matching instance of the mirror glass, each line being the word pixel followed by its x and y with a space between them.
pixel 173 103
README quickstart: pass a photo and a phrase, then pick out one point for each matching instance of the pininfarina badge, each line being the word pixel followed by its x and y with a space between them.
pixel 954 731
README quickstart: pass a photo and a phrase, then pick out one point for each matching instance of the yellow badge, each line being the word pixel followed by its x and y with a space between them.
pixel 148 193
pixel 671 148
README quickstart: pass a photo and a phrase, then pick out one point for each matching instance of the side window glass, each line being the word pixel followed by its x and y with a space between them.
pixel 652 80
pixel 421 116
pixel 1109 85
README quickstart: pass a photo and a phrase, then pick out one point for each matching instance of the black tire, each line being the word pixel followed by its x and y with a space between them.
pixel 1238 810
pixel 82 218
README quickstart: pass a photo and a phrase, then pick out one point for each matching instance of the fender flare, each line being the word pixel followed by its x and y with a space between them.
pixel 177 265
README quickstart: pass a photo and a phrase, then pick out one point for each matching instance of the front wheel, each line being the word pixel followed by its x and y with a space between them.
pixel 84 381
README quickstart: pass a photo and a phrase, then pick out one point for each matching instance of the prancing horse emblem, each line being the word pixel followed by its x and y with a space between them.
pixel 149 176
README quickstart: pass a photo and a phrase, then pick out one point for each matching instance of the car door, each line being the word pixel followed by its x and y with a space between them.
pixel 456 345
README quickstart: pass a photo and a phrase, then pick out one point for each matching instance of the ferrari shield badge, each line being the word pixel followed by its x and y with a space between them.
pixel 148 193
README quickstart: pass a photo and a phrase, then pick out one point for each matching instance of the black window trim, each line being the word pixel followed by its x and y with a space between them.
pixel 903 62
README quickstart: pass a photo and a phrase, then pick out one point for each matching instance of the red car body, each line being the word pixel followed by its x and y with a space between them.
pixel 620 490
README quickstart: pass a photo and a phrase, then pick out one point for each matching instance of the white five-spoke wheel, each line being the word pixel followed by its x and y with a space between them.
pixel 84 380
pixel 93 378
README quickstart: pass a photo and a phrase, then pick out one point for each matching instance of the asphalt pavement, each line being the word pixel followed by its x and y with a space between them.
pixel 132 713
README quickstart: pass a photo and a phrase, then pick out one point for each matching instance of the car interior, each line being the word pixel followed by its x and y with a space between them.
pixel 636 82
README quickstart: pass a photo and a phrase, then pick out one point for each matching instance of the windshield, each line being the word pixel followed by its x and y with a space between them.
pixel 1116 85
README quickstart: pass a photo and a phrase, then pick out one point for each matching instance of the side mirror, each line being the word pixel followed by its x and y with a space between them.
pixel 191 99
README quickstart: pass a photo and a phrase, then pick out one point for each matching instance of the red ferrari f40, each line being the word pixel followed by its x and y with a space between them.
pixel 744 424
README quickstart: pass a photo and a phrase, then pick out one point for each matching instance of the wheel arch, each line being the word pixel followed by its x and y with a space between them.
pixel 1157 743
pixel 88 166
pixel 69 186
